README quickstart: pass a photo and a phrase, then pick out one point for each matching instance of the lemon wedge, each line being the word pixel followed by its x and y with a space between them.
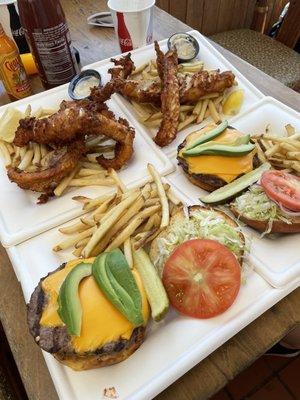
pixel 9 123
pixel 233 102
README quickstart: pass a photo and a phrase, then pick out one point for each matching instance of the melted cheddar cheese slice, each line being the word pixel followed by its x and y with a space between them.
pixel 224 167
pixel 101 321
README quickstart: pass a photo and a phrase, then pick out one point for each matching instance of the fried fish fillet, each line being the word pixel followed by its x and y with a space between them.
pixel 191 89
pixel 75 120
pixel 170 105
pixel 159 60
pixel 124 66
pixel 62 162
pixel 203 83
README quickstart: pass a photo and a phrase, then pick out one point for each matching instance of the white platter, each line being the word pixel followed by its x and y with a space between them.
pixel 212 60
pixel 276 258
pixel 172 347
pixel 20 216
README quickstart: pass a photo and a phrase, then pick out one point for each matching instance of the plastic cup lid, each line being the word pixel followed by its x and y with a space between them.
pixel 130 5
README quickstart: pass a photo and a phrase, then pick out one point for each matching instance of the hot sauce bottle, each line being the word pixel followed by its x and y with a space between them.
pixel 48 36
pixel 12 71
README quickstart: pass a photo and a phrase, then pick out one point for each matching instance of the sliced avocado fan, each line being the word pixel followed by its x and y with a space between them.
pixel 114 277
pixel 216 149
pixel 209 135
pixel 69 308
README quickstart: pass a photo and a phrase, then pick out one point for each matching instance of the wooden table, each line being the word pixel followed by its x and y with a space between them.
pixel 214 372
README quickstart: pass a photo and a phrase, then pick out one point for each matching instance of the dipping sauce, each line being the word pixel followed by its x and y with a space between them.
pixel 81 85
pixel 186 45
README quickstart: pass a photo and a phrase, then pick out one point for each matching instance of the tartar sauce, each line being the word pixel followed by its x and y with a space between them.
pixel 184 47
pixel 83 87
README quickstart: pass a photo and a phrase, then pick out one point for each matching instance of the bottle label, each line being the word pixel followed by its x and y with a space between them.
pixel 14 76
pixel 53 53
pixel 123 34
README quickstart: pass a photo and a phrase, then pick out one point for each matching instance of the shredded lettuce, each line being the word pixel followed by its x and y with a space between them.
pixel 203 224
pixel 255 204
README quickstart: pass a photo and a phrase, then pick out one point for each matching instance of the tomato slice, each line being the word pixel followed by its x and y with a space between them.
pixel 202 278
pixel 282 187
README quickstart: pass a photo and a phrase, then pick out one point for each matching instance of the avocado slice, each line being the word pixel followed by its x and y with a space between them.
pixel 209 135
pixel 245 139
pixel 216 149
pixel 114 277
pixel 230 190
pixel 69 308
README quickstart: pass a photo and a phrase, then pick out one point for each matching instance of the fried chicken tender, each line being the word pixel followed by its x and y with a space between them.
pixel 63 161
pixel 170 105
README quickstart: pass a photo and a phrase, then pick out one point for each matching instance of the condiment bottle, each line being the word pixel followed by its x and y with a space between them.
pixel 17 30
pixel 12 71
pixel 48 36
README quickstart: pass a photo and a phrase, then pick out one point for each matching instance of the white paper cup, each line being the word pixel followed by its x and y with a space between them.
pixel 133 22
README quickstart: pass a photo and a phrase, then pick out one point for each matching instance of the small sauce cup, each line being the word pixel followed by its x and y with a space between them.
pixel 186 45
pixel 80 86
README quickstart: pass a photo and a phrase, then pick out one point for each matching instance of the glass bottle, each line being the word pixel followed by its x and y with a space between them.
pixel 48 36
pixel 12 71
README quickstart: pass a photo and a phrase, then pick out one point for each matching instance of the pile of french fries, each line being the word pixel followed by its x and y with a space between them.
pixel 208 106
pixel 35 157
pixel 282 152
pixel 127 218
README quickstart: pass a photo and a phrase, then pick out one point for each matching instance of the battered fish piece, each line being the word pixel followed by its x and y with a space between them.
pixel 124 66
pixel 191 89
pixel 139 91
pixel 205 82
pixel 63 161
pixel 123 148
pixel 75 120
pixel 159 60
pixel 170 104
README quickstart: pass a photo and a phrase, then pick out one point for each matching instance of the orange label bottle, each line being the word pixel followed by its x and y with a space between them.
pixel 12 71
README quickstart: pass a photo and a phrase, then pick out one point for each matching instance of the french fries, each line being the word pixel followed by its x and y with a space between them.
pixel 283 152
pixel 162 195
pixel 128 218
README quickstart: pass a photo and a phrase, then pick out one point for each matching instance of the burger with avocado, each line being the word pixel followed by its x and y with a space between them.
pixel 90 313
pixel 216 155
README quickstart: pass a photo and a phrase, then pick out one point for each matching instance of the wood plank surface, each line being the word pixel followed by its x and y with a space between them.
pixel 210 19
pixel 238 17
pixel 178 9
pixel 212 373
pixel 195 14
pixel 289 32
pixel 225 13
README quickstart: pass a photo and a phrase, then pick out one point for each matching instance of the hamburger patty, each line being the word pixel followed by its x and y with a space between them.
pixel 212 181
pixel 57 340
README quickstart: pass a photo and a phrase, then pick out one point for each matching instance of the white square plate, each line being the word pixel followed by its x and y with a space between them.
pixel 172 346
pixel 212 60
pixel 277 257
pixel 20 216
